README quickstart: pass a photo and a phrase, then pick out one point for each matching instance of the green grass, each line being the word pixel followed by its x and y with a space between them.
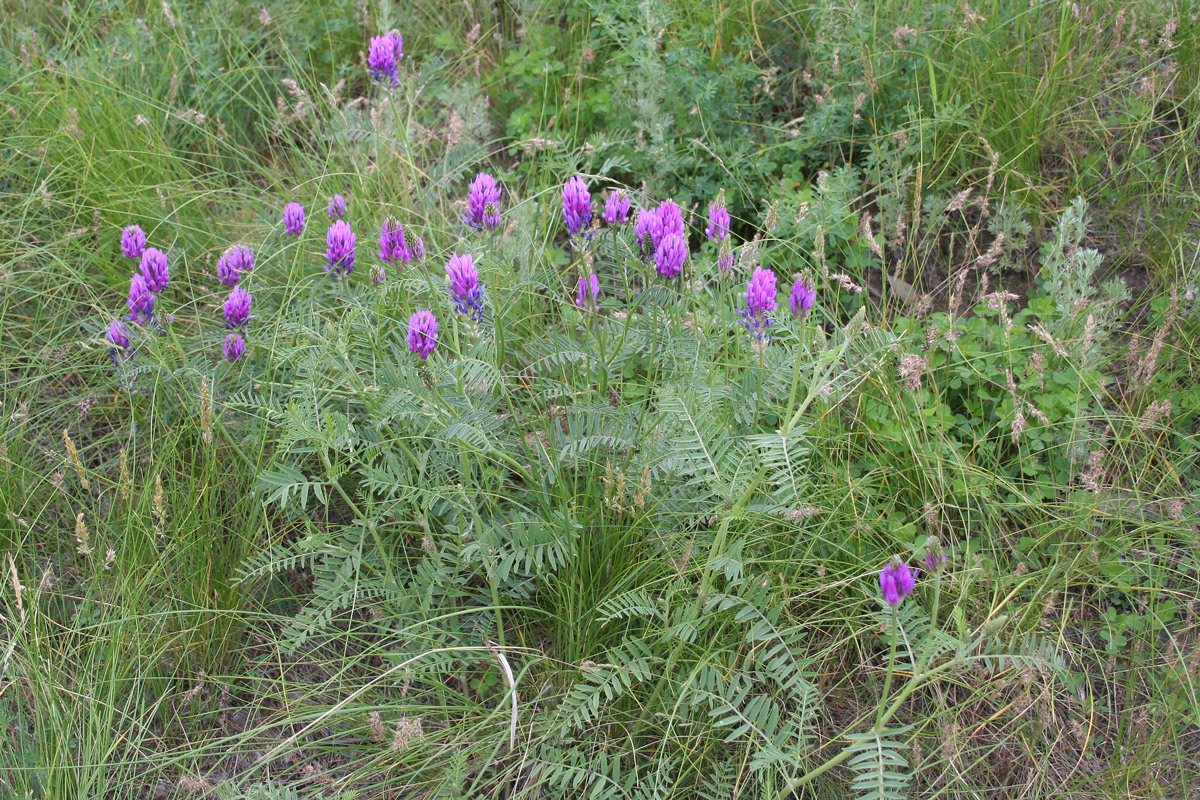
pixel 310 573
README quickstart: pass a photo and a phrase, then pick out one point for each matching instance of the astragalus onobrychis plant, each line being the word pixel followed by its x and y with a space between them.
pixel 712 460
pixel 582 466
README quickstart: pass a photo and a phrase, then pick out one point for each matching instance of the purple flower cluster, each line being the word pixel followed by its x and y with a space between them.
pixel 670 219
pixel 150 280
pixel 576 205
pixel 233 264
pixel 760 302
pixel 230 268
pixel 293 219
pixel 660 234
pixel 237 307
pixel 153 267
pixel 670 254
pixel 394 248
pixel 384 56
pixel 585 286
pixel 234 347
pixel 724 258
pixel 340 242
pixel 422 333
pixel 141 300
pixel 118 337
pixel 897 581
pixel 237 314
pixel 718 220
pixel 465 289
pixel 802 297
pixel 616 207
pixel 133 241
pixel 337 207
pixel 483 203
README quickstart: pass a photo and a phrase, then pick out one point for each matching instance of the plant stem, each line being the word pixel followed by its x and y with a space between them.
pixel 887 683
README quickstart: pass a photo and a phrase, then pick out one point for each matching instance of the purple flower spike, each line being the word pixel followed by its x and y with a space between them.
pixel 718 220
pixel 576 205
pixel 384 56
pixel 117 335
pixel 153 267
pixel 669 255
pixel 670 219
pixel 422 333
pixel 464 286
pixel 419 249
pixel 234 348
pixel 616 208
pixel 761 291
pixel 293 219
pixel 233 264
pixel 591 283
pixel 118 338
pixel 133 241
pixel 897 582
pixel 237 307
pixel 802 298
pixel 392 245
pixel 483 203
pixel 648 230
pixel 760 301
pixel 934 561
pixel 724 259
pixel 337 207
pixel 340 242
pixel 141 300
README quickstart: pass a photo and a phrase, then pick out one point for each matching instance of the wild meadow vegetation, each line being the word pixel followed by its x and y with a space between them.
pixel 611 399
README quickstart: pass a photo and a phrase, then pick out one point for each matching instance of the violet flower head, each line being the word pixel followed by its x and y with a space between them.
pixel 483 203
pixel 724 258
pixel 118 339
pixel 237 307
pixel 419 249
pixel 670 218
pixel 293 219
pixel 648 229
pixel 934 561
pixel 422 333
pixel 117 336
pixel 233 264
pixel 337 207
pixel 590 284
pixel 616 207
pixel 153 267
pixel 234 347
pixel 464 286
pixel 670 255
pixel 384 56
pixel 760 301
pixel 392 245
pixel 340 242
pixel 718 220
pixel 576 205
pixel 141 300
pixel 133 241
pixel 802 297
pixel 897 582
